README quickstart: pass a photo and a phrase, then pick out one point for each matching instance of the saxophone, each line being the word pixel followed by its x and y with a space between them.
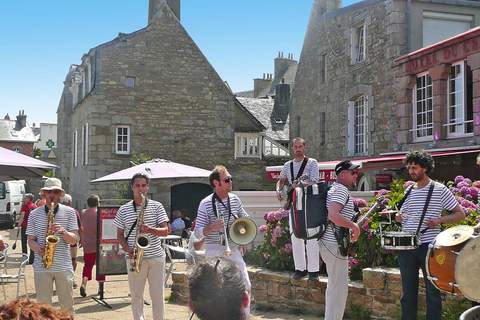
pixel 51 239
pixel 142 241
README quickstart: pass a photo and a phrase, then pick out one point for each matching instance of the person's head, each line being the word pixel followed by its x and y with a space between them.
pixel 419 164
pixel 347 173
pixel 92 201
pixel 176 214
pixel 24 309
pixel 221 180
pixel 218 291
pixel 28 198
pixel 66 200
pixel 298 147
pixel 52 190
pixel 140 184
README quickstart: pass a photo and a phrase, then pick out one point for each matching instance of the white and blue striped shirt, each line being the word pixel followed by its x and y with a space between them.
pixel 153 216
pixel 206 216
pixel 37 227
pixel 311 170
pixel 338 193
pixel 442 199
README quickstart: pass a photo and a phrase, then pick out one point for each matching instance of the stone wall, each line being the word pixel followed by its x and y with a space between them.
pixel 379 292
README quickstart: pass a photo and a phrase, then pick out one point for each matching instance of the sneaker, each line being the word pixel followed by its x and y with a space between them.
pixel 313 276
pixel 299 274
pixel 83 293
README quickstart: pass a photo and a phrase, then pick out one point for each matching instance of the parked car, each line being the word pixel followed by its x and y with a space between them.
pixel 11 196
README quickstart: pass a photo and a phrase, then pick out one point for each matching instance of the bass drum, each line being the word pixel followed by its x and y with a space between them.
pixel 467 270
pixel 442 253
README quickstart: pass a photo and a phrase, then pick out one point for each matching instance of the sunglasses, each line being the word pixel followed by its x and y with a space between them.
pixel 228 179
pixel 354 172
pixel 53 191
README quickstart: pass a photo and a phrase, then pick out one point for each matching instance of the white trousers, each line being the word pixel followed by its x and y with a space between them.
pixel 337 285
pixel 216 250
pixel 153 270
pixel 63 284
pixel 309 260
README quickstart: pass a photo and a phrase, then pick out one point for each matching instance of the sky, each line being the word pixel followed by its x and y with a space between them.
pixel 41 39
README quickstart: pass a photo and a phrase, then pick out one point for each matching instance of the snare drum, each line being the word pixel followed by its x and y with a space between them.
pixel 441 259
pixel 399 240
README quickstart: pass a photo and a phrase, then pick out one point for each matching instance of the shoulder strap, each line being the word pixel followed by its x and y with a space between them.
pixel 400 203
pixel 131 229
pixel 302 167
pixel 427 201
pixel 214 207
pixel 291 171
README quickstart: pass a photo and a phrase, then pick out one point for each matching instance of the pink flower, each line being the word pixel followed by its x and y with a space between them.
pixel 462 184
pixel 459 179
pixel 381 192
pixel 352 262
pixel 281 214
pixel 262 228
pixel 269 217
pixel 476 184
pixel 277 232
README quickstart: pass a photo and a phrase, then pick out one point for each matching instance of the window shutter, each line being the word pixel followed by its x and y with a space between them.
pixel 351 128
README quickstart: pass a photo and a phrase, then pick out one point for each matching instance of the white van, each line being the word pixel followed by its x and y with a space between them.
pixel 11 196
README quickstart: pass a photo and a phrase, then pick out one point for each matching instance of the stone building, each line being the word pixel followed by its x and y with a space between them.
pixel 17 135
pixel 46 144
pixel 153 92
pixel 344 99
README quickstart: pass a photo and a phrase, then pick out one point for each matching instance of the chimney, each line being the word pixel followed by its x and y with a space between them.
pixel 282 64
pixel 261 85
pixel 281 107
pixel 329 5
pixel 21 121
pixel 155 6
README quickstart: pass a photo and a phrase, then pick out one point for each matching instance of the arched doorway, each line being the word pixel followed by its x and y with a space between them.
pixel 187 196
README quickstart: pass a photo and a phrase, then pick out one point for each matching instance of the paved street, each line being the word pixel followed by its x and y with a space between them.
pixel 116 294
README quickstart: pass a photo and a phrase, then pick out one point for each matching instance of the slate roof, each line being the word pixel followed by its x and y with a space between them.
pixel 262 109
pixel 8 132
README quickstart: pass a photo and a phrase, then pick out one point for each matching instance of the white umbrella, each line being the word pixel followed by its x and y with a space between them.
pixel 157 169
pixel 14 165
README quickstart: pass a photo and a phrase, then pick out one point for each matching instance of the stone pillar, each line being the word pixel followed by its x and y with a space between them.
pixel 439 75
pixel 473 62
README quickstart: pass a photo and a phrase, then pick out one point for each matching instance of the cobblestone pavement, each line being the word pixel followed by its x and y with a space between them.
pixel 116 295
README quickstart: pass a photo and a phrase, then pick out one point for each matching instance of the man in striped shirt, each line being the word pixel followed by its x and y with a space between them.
pixel 305 252
pixel 340 213
pixel 216 213
pixel 153 265
pixel 420 165
pixel 66 228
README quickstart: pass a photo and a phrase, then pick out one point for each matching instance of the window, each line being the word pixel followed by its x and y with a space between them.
pixel 122 140
pixel 357 125
pixel 359 52
pixel 323 68
pixel 85 144
pixel 3 190
pixel 248 145
pixel 130 82
pixel 322 128
pixel 75 146
pixel 459 118
pixel 423 109
pixel 438 26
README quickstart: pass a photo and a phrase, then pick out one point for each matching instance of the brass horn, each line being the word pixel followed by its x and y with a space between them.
pixel 243 231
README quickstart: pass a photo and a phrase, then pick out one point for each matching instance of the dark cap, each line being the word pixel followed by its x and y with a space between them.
pixel 345 165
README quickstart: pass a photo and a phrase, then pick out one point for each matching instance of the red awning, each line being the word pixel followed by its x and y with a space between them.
pixel 372 163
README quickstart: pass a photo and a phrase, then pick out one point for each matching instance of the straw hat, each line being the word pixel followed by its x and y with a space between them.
pixel 52 184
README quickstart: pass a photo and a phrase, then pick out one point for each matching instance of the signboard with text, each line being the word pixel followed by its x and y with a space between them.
pixel 110 255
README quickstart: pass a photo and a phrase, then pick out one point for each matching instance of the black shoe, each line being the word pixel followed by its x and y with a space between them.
pixel 313 276
pixel 299 274
pixel 83 293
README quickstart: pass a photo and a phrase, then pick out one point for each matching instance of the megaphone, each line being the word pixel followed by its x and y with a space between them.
pixel 243 231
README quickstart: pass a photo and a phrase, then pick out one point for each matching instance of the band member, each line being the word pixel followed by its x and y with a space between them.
pixel 27 207
pixel 153 263
pixel 89 243
pixel 216 213
pixel 65 227
pixel 340 213
pixel 420 165
pixel 218 291
pixel 291 172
